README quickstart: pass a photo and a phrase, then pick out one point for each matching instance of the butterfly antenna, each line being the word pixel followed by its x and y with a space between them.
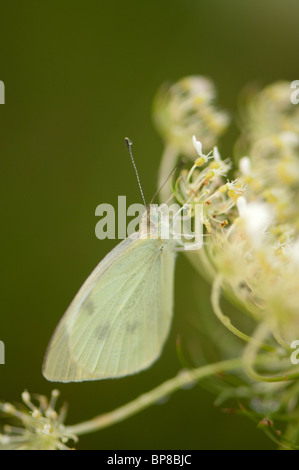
pixel 170 176
pixel 129 145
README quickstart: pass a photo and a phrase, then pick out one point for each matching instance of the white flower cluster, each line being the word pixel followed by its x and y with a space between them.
pixel 252 223
pixel 35 426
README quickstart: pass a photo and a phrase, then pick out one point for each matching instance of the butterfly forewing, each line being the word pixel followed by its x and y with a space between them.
pixel 119 320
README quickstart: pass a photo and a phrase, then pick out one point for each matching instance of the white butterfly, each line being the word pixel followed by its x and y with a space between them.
pixel 119 320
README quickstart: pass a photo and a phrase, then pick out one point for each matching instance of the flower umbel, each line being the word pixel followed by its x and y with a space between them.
pixel 181 110
pixel 206 183
pixel 35 425
pixel 188 107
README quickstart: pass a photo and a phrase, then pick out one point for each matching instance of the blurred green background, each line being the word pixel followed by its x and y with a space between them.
pixel 80 76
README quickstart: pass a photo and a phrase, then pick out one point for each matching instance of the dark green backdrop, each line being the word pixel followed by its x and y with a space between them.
pixel 79 77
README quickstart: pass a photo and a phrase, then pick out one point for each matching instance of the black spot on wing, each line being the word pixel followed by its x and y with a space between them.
pixel 131 327
pixel 102 331
pixel 88 307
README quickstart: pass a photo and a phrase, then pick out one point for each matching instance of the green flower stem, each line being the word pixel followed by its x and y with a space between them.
pixel 225 320
pixel 167 165
pixel 251 354
pixel 185 378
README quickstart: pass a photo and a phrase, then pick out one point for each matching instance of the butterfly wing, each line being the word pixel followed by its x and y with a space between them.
pixel 120 318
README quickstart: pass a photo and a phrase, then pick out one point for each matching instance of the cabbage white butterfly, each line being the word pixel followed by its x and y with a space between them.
pixel 119 320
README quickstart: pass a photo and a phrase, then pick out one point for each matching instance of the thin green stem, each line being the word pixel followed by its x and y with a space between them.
pixel 168 162
pixel 225 320
pixel 185 378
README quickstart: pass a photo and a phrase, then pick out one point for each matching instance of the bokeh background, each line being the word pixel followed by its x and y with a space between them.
pixel 80 76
